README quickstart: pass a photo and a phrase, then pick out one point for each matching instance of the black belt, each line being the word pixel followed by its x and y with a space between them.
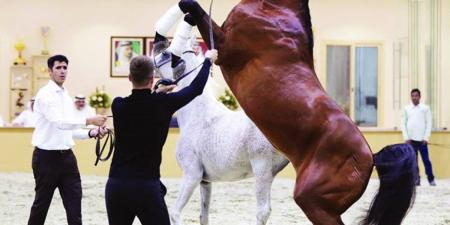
pixel 59 151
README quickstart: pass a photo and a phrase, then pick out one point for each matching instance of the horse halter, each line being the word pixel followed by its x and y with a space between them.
pixel 168 81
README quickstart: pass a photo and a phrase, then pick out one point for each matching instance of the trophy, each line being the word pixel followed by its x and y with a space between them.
pixel 44 32
pixel 19 46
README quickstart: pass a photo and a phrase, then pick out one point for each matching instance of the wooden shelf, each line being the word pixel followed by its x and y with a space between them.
pixel 25 81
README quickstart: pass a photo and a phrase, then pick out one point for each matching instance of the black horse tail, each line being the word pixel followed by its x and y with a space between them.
pixel 397 168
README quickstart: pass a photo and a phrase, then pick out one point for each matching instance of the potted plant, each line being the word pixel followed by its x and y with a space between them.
pixel 100 100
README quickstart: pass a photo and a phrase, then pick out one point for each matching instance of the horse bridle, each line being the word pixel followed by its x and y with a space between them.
pixel 168 81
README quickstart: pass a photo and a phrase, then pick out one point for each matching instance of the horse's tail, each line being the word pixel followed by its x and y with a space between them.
pixel 397 168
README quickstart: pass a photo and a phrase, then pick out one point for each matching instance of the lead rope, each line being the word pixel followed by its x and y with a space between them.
pixel 211 35
pixel 99 151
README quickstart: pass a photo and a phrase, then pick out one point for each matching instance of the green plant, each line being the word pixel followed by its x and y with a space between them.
pixel 99 99
pixel 229 100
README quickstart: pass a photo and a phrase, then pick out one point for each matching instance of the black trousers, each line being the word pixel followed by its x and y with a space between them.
pixel 51 170
pixel 128 198
pixel 423 149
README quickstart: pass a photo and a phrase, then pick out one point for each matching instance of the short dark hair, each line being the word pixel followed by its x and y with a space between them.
pixel 415 90
pixel 60 58
pixel 141 70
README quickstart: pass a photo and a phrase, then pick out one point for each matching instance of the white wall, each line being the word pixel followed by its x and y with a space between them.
pixel 82 30
pixel 445 63
pixel 382 21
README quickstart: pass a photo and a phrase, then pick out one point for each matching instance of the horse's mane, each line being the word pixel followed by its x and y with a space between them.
pixel 306 21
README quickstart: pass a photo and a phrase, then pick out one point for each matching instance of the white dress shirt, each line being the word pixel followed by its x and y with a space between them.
pixel 56 125
pixel 26 118
pixel 416 122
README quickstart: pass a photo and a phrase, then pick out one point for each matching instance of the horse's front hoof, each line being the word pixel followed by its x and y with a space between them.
pixel 189 19
pixel 187 6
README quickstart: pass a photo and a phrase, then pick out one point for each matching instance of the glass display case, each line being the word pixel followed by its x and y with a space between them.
pixel 20 88
pixel 25 82
pixel 40 72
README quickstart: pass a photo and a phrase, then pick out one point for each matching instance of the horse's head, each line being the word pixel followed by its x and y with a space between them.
pixel 191 56
pixel 162 63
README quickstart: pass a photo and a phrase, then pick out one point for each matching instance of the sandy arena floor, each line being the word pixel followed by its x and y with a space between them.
pixel 232 203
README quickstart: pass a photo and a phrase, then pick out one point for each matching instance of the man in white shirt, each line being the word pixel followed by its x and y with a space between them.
pixel 27 118
pixel 54 164
pixel 416 128
pixel 83 110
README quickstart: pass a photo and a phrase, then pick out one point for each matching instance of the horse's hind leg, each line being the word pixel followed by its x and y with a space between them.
pixel 324 193
pixel 318 209
pixel 188 184
pixel 205 192
pixel 262 169
pixel 318 212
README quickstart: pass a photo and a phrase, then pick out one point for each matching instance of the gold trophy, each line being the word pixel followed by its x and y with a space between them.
pixel 19 46
pixel 45 32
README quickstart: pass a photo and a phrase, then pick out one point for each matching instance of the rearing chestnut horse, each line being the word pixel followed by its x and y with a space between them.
pixel 266 56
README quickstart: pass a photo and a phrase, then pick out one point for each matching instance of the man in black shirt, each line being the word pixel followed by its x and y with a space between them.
pixel 141 124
